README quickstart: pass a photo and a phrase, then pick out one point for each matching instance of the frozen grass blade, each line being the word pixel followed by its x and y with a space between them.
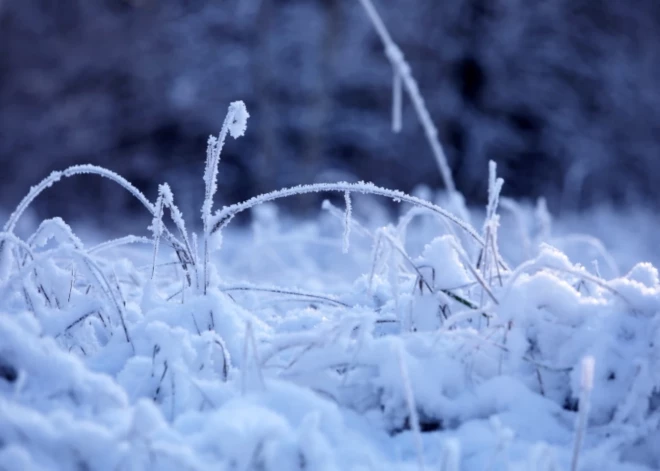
pixel 235 124
pixel 402 70
pixel 288 292
pixel 121 241
pixel 494 189
pixel 586 386
pixel 377 257
pixel 75 170
pixel 347 222
pixel 55 177
pixel 339 214
pixel 93 271
pixel 477 276
pixel 223 217
pixel 491 224
pixel 157 229
pixel 394 244
pixel 177 218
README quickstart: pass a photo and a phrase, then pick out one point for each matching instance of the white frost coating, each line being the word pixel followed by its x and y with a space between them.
pixel 491 224
pixel 222 217
pixel 84 170
pixel 177 218
pixel 89 266
pixel 347 221
pixel 210 173
pixel 126 240
pixel 402 69
pixel 339 214
pixel 157 225
pixel 238 125
pixel 69 172
pixel 80 170
pixel 235 123
pixel 494 189
pixel 175 213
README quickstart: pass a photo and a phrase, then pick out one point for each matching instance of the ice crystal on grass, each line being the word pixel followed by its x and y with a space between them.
pixel 240 115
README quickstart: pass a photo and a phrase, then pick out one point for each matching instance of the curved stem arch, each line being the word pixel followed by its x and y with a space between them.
pixel 222 217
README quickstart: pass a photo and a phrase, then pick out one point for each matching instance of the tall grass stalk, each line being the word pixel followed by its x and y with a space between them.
pixel 235 124
pixel 402 72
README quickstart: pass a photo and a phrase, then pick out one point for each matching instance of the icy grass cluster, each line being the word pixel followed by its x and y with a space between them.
pixel 345 343
pixel 436 355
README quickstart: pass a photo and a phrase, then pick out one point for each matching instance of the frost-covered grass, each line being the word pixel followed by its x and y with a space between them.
pixel 445 339
pixel 343 342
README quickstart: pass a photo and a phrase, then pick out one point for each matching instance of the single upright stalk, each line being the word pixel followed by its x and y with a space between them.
pixel 235 124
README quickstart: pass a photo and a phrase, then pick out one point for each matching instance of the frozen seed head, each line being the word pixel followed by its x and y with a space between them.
pixel 587 379
pixel 240 115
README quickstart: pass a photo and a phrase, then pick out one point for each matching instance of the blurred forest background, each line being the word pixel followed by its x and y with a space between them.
pixel 563 94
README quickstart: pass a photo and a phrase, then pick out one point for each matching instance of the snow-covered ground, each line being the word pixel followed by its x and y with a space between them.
pixel 345 342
